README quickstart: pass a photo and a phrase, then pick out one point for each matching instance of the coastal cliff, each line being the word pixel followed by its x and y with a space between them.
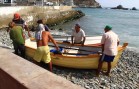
pixel 79 3
pixel 86 3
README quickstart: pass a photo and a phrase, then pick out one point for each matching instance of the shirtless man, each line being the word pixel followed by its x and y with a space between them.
pixel 43 52
pixel 45 39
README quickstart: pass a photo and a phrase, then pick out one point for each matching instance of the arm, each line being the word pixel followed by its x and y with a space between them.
pixel 8 29
pixel 23 34
pixel 72 39
pixel 11 35
pixel 51 38
pixel 103 42
pixel 102 47
pixel 84 38
pixel 26 27
pixel 118 41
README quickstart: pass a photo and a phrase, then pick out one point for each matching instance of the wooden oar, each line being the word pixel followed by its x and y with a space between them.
pixel 75 53
pixel 72 53
pixel 75 49
pixel 66 36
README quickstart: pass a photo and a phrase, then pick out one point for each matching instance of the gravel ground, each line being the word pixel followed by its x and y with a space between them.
pixel 124 76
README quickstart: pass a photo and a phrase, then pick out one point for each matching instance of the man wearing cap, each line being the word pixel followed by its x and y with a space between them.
pixel 110 42
pixel 78 35
pixel 20 22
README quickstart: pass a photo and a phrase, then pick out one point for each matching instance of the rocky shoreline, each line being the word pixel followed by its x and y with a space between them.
pixel 124 76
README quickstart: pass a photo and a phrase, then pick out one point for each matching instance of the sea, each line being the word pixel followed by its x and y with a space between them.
pixel 125 23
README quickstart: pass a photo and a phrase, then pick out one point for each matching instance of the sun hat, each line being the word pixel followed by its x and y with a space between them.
pixel 16 16
pixel 108 27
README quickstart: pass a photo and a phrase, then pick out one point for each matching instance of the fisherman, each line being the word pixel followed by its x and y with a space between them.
pixel 16 34
pixel 109 42
pixel 78 35
pixel 43 52
pixel 20 22
pixel 41 21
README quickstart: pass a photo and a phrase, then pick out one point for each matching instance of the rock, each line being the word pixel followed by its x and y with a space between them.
pixel 87 3
pixel 134 8
pixel 120 7
pixel 87 87
pixel 124 76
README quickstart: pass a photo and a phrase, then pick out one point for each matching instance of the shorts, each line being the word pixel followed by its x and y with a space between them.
pixel 78 43
pixel 107 58
pixel 42 54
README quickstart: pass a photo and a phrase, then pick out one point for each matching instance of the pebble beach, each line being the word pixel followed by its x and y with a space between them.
pixel 124 76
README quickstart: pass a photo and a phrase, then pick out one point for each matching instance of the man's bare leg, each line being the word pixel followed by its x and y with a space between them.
pixel 99 68
pixel 109 69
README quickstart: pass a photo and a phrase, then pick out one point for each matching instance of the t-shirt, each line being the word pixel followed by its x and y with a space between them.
pixel 16 35
pixel 20 22
pixel 78 36
pixel 110 39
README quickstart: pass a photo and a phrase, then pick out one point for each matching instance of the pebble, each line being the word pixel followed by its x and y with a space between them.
pixel 124 76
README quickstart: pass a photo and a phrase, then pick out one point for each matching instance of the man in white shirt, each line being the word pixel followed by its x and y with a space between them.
pixel 109 42
pixel 78 35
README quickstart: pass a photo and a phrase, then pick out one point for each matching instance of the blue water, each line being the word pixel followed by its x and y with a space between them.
pixel 124 22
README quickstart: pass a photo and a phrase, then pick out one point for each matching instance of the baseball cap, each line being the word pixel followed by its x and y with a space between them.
pixel 16 16
pixel 108 27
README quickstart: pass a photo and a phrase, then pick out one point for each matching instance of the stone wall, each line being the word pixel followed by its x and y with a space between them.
pixel 18 73
pixel 53 14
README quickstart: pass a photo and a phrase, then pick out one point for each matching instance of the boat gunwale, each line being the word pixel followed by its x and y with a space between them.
pixel 85 56
pixel 97 45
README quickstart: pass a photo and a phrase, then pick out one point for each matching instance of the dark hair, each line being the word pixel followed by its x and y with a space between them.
pixel 77 25
pixel 40 21
pixel 11 24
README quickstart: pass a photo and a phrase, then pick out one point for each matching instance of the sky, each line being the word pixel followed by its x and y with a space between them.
pixel 115 3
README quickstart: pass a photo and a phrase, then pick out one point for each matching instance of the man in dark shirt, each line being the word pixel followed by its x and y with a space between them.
pixel 20 22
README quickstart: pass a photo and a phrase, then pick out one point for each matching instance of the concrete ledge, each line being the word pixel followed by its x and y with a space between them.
pixel 18 73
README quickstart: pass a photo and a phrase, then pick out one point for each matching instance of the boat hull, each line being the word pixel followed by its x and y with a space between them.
pixel 78 61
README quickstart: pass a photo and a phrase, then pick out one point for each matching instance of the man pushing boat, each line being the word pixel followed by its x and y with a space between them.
pixel 43 53
pixel 110 42
pixel 78 35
